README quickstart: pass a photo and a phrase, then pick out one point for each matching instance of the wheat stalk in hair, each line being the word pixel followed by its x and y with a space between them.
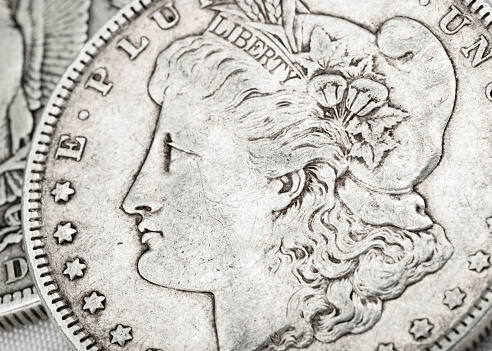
pixel 252 9
pixel 274 11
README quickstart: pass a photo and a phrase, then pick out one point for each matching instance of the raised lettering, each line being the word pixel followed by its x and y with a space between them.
pixel 453 15
pixel 233 31
pixel 16 269
pixel 258 48
pixel 268 55
pixel 280 64
pixel 167 17
pixel 242 40
pixel 223 32
pixel 480 57
pixel 97 81
pixel 126 45
pixel 68 148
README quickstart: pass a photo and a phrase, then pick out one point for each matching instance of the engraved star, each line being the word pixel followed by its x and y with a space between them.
pixel 454 298
pixel 421 328
pixel 94 302
pixel 75 269
pixel 62 192
pixel 65 232
pixel 479 261
pixel 121 335
pixel 386 347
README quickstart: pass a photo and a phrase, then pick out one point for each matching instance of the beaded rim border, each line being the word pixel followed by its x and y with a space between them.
pixel 482 9
pixel 56 304
pixel 474 326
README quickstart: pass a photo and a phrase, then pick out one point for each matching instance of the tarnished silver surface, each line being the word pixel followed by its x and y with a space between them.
pixel 269 175
pixel 38 40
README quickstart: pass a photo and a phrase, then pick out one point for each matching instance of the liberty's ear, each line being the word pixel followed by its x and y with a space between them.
pixel 288 188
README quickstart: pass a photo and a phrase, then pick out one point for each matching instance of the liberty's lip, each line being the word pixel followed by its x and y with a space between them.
pixel 148 236
pixel 148 233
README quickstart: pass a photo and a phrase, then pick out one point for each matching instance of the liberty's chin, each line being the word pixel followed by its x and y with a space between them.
pixel 145 265
pixel 163 270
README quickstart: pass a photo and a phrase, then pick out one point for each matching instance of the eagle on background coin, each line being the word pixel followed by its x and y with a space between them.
pixel 41 38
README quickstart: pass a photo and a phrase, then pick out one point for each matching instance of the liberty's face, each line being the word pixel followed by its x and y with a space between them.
pixel 204 213
pixel 210 219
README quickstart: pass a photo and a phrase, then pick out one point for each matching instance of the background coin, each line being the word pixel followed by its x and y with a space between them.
pixel 53 31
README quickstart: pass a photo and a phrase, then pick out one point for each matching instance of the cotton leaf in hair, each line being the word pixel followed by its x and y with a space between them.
pixel 373 155
pixel 363 68
pixel 326 54
pixel 339 55
pixel 372 136
pixel 321 46
pixel 387 117
pixel 376 128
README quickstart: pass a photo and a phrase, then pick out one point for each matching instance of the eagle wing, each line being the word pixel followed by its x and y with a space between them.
pixel 54 32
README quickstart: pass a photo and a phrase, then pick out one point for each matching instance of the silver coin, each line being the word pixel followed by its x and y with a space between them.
pixel 39 39
pixel 269 175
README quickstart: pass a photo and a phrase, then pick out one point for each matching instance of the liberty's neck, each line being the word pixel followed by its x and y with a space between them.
pixel 251 309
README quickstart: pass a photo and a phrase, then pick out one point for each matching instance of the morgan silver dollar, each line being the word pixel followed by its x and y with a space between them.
pixel 269 175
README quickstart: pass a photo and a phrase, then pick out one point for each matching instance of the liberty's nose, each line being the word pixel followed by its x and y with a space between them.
pixel 147 195
pixel 143 198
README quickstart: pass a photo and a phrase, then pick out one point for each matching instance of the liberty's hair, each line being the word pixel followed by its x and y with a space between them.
pixel 346 267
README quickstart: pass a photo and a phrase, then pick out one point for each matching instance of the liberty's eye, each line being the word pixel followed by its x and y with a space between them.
pixel 174 153
pixel 167 152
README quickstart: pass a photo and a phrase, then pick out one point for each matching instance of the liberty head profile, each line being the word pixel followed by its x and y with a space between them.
pixel 281 175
